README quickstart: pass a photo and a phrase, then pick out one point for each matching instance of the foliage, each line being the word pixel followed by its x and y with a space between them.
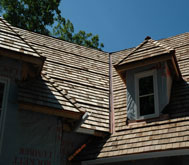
pixel 34 15
pixel 65 31
pixel 37 15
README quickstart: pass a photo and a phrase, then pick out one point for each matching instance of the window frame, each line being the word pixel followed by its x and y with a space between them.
pixel 155 88
pixel 6 82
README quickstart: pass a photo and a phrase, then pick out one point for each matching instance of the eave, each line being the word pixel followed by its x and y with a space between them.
pixel 22 56
pixel 121 69
pixel 50 111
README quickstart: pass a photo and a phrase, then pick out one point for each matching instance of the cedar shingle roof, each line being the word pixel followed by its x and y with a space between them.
pixel 11 40
pixel 181 45
pixel 48 95
pixel 45 92
pixel 167 133
pixel 82 75
pixel 159 136
pixel 81 71
pixel 148 48
pixel 42 92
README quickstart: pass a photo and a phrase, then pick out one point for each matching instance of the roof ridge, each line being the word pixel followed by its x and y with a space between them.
pixel 20 36
pixel 136 48
pixel 62 91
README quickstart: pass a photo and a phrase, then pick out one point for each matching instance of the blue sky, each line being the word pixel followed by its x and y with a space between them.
pixel 122 24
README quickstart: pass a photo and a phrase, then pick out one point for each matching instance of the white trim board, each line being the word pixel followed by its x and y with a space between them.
pixel 144 74
pixel 137 157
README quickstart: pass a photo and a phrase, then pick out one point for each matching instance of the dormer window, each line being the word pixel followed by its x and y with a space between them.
pixel 146 74
pixel 146 94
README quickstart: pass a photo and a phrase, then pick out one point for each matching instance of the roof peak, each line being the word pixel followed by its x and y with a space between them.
pixel 141 47
pixel 147 38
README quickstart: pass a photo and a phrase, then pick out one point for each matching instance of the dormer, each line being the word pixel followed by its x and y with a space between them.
pixel 14 48
pixel 148 72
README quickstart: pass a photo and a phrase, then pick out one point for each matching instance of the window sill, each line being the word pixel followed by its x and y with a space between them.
pixel 149 120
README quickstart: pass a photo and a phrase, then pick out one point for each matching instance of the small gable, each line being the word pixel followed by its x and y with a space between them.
pixel 148 72
pixel 15 46
pixel 148 52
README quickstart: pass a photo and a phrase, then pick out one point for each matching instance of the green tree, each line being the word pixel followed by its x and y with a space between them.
pixel 37 15
pixel 34 15
pixel 65 31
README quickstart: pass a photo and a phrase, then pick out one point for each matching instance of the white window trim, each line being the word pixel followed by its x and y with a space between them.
pixel 156 102
pixel 6 81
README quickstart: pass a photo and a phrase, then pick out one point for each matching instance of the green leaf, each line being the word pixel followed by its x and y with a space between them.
pixel 36 15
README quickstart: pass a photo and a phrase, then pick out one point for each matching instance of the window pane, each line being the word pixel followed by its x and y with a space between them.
pixel 146 85
pixel 147 105
pixel 2 86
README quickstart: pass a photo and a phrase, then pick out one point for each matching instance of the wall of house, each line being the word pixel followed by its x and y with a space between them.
pixel 31 138
pixel 163 82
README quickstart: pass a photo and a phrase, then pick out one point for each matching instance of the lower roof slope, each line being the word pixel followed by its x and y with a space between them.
pixel 42 92
pixel 159 136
